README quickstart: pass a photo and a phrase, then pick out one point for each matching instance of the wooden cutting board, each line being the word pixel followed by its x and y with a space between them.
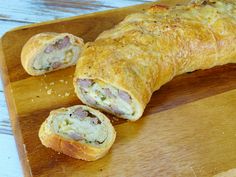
pixel 188 128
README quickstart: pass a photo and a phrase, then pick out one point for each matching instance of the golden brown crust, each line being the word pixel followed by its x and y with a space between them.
pixel 148 49
pixel 158 8
pixel 71 147
pixel 35 45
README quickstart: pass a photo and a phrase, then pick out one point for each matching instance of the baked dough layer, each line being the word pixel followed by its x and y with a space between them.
pixel 148 49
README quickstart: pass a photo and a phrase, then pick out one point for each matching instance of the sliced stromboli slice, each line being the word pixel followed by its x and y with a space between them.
pixel 46 52
pixel 78 131
pixel 106 97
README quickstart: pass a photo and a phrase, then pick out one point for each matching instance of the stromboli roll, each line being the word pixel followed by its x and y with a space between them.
pixel 120 70
pixel 46 52
pixel 78 131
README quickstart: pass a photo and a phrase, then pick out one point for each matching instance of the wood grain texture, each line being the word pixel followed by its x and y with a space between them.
pixel 193 139
pixel 177 142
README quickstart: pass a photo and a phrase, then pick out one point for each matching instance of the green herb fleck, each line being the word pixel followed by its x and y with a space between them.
pixel 103 98
pixel 87 141
pixel 47 68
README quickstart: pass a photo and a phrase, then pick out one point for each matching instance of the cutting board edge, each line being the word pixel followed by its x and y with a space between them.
pixel 13 114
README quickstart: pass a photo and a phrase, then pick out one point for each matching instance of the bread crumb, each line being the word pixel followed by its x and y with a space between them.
pixel 51 83
pixel 46 87
pixel 66 82
pixel 59 95
pixel 61 80
pixel 71 76
pixel 49 92
pixel 32 100
pixel 40 90
pixel 45 75
pixel 67 94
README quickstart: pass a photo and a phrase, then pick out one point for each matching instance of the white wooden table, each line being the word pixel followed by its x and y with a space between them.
pixel 15 13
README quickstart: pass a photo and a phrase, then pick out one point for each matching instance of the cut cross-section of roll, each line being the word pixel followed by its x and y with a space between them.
pixel 109 98
pixel 78 131
pixel 46 52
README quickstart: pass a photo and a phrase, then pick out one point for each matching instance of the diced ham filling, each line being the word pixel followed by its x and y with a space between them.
pixel 116 110
pixel 108 92
pixel 80 113
pixel 90 100
pixel 49 48
pixel 125 96
pixel 95 120
pixel 62 43
pixel 85 83
pixel 56 64
pixel 83 126
pixel 75 136
pixel 107 98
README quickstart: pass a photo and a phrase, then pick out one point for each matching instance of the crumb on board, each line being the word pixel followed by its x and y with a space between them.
pixel 62 81
pixel 49 92
pixel 67 94
pixel 32 100
pixel 51 83
pixel 66 82
pixel 59 95
pixel 46 87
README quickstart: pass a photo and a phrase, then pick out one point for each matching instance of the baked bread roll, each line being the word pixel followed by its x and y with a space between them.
pixel 123 67
pixel 78 131
pixel 46 52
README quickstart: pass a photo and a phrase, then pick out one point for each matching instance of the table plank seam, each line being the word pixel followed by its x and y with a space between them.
pixel 19 21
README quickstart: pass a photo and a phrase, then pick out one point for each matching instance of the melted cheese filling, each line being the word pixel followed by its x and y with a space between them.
pixel 65 125
pixel 65 56
pixel 97 93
